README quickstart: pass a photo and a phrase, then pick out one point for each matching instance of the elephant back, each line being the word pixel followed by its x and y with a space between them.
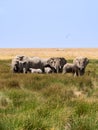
pixel 35 62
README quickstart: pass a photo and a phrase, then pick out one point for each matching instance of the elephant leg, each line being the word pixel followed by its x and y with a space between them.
pixel 43 70
pixel 24 70
pixel 78 72
pixel 75 74
pixel 57 69
pixel 64 71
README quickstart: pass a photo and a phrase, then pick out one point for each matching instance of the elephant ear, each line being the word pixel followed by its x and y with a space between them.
pixel 17 61
pixel 50 61
pixel 86 61
pixel 63 61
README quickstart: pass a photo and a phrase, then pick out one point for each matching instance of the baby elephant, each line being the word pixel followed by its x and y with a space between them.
pixel 70 68
pixel 47 70
pixel 32 70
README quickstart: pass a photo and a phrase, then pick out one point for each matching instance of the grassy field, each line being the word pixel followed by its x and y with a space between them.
pixel 48 101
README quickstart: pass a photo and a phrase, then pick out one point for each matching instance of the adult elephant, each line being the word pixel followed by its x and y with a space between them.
pixel 17 63
pixel 36 63
pixel 56 63
pixel 81 63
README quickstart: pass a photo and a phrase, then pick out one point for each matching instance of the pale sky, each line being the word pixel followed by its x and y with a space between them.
pixel 48 23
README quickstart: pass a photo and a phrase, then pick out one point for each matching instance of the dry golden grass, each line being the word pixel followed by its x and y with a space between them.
pixel 69 53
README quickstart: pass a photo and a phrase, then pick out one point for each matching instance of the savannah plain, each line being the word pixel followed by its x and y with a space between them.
pixel 49 101
pixel 68 53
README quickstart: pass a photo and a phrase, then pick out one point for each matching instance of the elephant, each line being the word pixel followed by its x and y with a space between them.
pixel 81 63
pixel 32 70
pixel 77 67
pixel 70 68
pixel 48 70
pixel 18 63
pixel 15 66
pixel 56 63
pixel 37 63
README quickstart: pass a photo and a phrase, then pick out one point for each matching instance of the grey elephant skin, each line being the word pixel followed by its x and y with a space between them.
pixel 77 67
pixel 21 64
pixel 37 63
pixel 17 63
pixel 70 68
pixel 81 63
pixel 57 63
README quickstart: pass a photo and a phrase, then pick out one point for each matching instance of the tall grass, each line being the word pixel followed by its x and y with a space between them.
pixel 48 101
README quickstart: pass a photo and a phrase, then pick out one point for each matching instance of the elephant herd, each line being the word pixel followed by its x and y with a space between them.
pixel 24 64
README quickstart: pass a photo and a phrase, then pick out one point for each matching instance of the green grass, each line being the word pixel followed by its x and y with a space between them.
pixel 48 101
